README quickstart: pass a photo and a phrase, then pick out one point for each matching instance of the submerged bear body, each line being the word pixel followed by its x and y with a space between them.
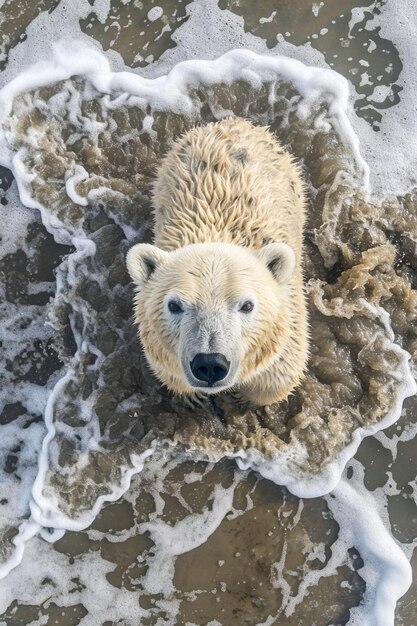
pixel 220 301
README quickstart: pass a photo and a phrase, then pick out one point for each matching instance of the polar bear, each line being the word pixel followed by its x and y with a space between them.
pixel 220 301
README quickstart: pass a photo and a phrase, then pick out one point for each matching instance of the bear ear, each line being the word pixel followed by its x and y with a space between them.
pixel 279 258
pixel 142 260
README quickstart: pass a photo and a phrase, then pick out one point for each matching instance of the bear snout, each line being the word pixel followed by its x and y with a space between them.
pixel 210 367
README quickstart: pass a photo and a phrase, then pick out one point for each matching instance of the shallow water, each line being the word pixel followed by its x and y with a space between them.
pixel 192 541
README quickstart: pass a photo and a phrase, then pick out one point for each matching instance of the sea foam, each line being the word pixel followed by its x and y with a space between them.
pixel 319 100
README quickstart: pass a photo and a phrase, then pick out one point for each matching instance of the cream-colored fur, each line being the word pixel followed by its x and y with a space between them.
pixel 229 215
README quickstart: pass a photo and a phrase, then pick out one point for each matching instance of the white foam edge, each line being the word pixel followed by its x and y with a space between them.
pixel 50 221
pixel 386 571
pixel 28 529
pixel 169 92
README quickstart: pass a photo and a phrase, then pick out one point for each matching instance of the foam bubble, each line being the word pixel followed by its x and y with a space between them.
pixel 155 13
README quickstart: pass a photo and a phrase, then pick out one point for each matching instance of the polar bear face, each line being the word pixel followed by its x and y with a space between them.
pixel 211 315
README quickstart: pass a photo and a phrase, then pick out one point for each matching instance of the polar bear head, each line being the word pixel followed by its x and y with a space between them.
pixel 211 315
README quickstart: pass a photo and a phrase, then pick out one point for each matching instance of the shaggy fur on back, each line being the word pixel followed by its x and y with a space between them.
pixel 230 182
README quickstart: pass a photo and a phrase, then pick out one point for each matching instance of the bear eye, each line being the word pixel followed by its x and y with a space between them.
pixel 174 307
pixel 247 307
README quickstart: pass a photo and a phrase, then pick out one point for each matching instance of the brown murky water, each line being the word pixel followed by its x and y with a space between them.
pixel 260 553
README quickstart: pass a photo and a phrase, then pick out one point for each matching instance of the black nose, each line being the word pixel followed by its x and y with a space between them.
pixel 210 367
